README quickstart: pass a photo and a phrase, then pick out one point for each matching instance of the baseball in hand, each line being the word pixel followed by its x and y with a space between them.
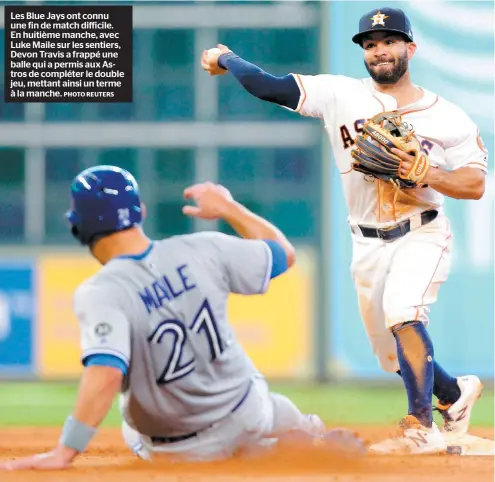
pixel 214 51
pixel 209 61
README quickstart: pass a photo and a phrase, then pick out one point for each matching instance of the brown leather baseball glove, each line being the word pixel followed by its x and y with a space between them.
pixel 372 155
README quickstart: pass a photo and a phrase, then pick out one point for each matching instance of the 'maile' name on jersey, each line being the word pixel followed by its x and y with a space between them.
pixel 164 313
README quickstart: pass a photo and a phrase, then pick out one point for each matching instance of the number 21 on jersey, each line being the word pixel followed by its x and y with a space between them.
pixel 203 324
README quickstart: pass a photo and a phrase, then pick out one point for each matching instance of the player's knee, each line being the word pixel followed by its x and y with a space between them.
pixel 389 362
pixel 385 349
pixel 286 415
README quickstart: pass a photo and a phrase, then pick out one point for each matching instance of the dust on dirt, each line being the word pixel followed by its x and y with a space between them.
pixel 108 459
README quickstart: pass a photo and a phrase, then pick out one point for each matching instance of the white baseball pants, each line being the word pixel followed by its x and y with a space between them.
pixel 397 281
pixel 255 425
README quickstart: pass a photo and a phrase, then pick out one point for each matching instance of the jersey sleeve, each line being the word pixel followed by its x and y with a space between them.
pixel 467 149
pixel 317 93
pixel 105 329
pixel 246 264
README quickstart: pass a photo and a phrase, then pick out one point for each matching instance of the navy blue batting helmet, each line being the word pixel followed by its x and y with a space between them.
pixel 105 199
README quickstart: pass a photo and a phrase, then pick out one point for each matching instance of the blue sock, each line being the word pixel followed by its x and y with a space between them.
pixel 415 354
pixel 445 387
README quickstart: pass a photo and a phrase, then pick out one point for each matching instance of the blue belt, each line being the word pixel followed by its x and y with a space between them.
pixel 179 438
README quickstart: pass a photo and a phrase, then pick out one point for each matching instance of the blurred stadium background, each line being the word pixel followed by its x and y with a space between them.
pixel 184 127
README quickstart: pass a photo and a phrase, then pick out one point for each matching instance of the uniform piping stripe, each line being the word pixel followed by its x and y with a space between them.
pixel 477 165
pixel 302 100
pixel 419 110
pixel 378 184
pixel 269 264
pixel 381 103
pixel 433 275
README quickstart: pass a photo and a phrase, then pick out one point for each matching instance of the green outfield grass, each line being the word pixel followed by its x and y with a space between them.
pixel 47 404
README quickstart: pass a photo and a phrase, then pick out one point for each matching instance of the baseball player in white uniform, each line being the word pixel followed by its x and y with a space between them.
pixel 402 242
pixel 155 328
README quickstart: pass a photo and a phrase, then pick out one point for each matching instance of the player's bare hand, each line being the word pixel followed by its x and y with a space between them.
pixel 55 460
pixel 209 59
pixel 413 168
pixel 212 200
pixel 406 164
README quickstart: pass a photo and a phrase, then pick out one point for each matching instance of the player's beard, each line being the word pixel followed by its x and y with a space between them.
pixel 390 76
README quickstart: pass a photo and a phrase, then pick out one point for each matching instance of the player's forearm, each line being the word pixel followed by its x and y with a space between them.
pixel 97 391
pixel 278 90
pixel 251 226
pixel 465 183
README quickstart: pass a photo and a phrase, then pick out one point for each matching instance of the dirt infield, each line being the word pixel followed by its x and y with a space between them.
pixel 109 460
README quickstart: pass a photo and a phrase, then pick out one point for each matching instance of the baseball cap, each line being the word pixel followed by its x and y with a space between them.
pixel 384 19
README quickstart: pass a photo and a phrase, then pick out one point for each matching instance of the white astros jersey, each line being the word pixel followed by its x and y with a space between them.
pixel 164 314
pixel 447 134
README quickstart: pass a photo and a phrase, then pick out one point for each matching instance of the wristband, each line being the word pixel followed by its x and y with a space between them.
pixel 76 435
